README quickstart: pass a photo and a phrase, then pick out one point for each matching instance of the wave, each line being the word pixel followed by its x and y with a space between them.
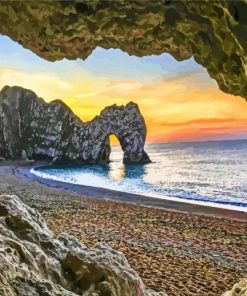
pixel 135 186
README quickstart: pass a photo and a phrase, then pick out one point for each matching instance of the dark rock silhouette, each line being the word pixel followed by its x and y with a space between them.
pixel 30 128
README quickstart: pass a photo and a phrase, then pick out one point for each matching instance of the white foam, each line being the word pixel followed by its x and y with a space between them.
pixel 94 180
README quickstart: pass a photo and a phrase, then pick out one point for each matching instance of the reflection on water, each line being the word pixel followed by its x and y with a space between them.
pixel 210 172
pixel 118 171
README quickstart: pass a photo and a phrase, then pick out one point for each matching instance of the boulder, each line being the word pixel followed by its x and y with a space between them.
pixel 239 289
pixel 35 262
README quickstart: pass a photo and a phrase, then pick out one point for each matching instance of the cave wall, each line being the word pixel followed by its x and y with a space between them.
pixel 213 32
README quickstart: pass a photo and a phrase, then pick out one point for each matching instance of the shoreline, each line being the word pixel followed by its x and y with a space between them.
pixel 23 172
pixel 177 250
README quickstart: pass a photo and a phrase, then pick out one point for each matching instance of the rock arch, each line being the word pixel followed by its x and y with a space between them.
pixel 33 129
pixel 128 125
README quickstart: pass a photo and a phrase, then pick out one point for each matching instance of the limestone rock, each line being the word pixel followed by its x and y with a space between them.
pixel 33 262
pixel 213 32
pixel 30 128
pixel 239 289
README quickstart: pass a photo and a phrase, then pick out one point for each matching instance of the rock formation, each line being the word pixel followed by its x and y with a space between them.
pixel 239 289
pixel 30 128
pixel 213 32
pixel 33 262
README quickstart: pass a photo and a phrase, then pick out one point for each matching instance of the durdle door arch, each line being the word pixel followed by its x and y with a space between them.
pixel 128 125
pixel 30 128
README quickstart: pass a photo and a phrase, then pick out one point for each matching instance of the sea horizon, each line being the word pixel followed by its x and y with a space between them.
pixel 187 141
pixel 194 172
pixel 197 141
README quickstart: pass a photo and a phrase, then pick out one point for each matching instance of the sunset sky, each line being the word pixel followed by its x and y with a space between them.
pixel 178 100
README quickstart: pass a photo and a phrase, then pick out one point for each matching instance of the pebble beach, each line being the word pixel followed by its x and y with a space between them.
pixel 182 253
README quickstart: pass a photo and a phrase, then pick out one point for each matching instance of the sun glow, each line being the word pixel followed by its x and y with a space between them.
pixel 177 99
pixel 177 110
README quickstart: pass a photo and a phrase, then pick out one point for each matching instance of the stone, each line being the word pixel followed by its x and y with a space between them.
pixel 239 289
pixel 24 155
pixel 213 32
pixel 34 262
pixel 30 128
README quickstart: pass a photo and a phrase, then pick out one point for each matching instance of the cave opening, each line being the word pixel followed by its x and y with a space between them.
pixel 173 96
pixel 179 102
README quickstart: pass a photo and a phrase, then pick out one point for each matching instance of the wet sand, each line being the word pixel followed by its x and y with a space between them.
pixel 182 249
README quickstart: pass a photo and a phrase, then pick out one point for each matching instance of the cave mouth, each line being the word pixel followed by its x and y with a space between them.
pixel 111 76
pixel 180 28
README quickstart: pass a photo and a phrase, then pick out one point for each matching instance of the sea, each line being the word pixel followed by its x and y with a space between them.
pixel 210 173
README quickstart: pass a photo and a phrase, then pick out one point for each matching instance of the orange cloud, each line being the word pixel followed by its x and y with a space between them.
pixel 179 109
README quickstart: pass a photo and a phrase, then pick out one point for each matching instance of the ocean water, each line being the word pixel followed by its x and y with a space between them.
pixel 212 173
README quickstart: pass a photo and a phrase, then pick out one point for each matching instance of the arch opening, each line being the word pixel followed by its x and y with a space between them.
pixel 116 150
pixel 116 167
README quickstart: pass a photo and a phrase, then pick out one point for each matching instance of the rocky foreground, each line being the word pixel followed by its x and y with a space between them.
pixel 239 289
pixel 180 253
pixel 35 262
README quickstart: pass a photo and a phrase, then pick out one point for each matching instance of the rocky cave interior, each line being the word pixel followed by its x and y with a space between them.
pixel 214 33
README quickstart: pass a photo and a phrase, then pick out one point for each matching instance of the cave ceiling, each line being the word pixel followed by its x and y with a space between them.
pixel 213 32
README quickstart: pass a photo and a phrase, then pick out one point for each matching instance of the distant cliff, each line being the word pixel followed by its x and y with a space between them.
pixel 30 128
